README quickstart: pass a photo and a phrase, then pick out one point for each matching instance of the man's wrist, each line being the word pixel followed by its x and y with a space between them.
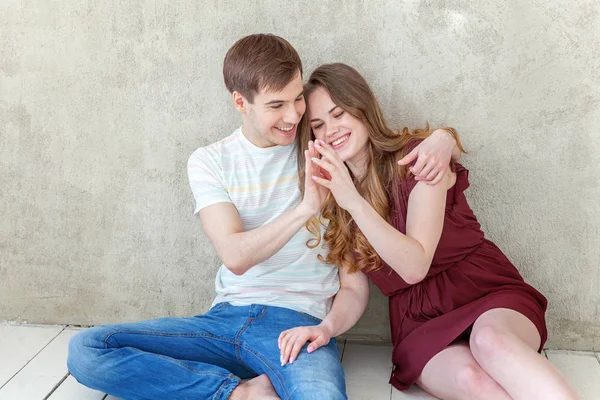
pixel 303 212
pixel 445 133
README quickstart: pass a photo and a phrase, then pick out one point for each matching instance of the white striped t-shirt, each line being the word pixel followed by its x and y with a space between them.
pixel 262 183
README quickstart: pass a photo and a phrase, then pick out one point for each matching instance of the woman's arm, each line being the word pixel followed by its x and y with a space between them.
pixel 409 255
pixel 348 306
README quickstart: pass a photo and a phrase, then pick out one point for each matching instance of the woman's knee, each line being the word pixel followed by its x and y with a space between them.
pixel 499 329
pixel 488 340
pixel 473 381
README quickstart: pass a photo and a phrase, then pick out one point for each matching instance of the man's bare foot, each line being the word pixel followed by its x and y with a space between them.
pixel 259 388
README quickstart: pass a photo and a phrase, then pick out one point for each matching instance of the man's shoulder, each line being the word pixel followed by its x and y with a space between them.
pixel 215 151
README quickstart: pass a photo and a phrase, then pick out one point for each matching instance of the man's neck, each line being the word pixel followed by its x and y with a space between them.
pixel 254 137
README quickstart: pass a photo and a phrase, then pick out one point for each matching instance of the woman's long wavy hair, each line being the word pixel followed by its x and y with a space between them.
pixel 347 245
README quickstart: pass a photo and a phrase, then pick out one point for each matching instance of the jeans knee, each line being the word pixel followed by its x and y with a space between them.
pixel 85 350
pixel 319 380
pixel 329 385
pixel 319 390
pixel 77 355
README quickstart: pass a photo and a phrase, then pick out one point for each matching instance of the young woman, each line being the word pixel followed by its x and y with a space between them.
pixel 464 323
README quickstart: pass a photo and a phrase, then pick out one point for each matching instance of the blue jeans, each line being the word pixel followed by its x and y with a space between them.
pixel 204 357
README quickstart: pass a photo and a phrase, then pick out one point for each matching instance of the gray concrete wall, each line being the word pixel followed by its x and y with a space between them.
pixel 102 103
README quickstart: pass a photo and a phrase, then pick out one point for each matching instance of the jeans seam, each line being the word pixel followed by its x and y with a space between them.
pixel 267 364
pixel 237 340
pixel 230 378
pixel 239 344
pixel 110 334
pixel 168 334
pixel 312 317
pixel 176 361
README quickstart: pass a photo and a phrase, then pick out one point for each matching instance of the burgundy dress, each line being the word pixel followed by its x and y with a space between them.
pixel 469 275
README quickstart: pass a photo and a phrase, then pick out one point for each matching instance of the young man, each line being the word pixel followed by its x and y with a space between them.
pixel 273 294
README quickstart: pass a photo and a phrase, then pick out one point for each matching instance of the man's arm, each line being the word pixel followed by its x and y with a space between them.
pixel 433 155
pixel 239 250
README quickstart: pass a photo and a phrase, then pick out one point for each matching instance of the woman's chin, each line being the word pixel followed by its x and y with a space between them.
pixel 344 154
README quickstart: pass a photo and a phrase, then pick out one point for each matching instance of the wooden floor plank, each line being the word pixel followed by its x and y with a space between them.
pixel 414 393
pixel 33 362
pixel 581 369
pixel 367 369
pixel 19 344
pixel 341 344
pixel 70 389
pixel 42 373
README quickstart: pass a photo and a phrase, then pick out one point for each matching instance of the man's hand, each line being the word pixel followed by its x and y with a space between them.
pixel 314 195
pixel 433 157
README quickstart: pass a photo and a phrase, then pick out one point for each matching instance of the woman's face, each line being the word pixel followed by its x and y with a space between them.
pixel 345 134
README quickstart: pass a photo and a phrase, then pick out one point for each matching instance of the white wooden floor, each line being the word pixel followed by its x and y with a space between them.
pixel 33 366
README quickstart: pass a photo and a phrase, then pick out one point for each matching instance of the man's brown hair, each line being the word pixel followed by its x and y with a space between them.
pixel 260 61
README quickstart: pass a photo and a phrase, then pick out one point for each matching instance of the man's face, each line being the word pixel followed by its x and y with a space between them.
pixel 272 119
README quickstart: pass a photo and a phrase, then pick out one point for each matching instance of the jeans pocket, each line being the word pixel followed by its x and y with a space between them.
pixel 310 317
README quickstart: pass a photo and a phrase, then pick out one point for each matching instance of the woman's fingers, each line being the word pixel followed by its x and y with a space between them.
pixel 321 181
pixel 323 164
pixel 326 151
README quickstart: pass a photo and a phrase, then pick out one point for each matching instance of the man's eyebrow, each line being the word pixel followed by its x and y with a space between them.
pixel 328 112
pixel 282 101
pixel 274 102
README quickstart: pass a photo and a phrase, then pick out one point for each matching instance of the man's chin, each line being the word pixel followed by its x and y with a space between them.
pixel 283 140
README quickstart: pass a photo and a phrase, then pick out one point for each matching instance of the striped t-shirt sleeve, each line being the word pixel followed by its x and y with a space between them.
pixel 205 179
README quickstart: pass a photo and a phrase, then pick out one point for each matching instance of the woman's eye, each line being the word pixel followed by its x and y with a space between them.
pixel 339 114
pixel 317 126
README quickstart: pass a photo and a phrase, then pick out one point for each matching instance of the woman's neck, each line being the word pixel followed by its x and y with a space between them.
pixel 358 165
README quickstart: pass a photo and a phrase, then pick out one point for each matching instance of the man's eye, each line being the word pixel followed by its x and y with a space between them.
pixel 317 126
pixel 276 107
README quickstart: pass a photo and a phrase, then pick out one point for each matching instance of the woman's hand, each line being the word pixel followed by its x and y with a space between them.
pixel 340 182
pixel 433 157
pixel 291 341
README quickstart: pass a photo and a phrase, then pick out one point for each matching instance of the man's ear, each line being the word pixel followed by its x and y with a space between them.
pixel 240 102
